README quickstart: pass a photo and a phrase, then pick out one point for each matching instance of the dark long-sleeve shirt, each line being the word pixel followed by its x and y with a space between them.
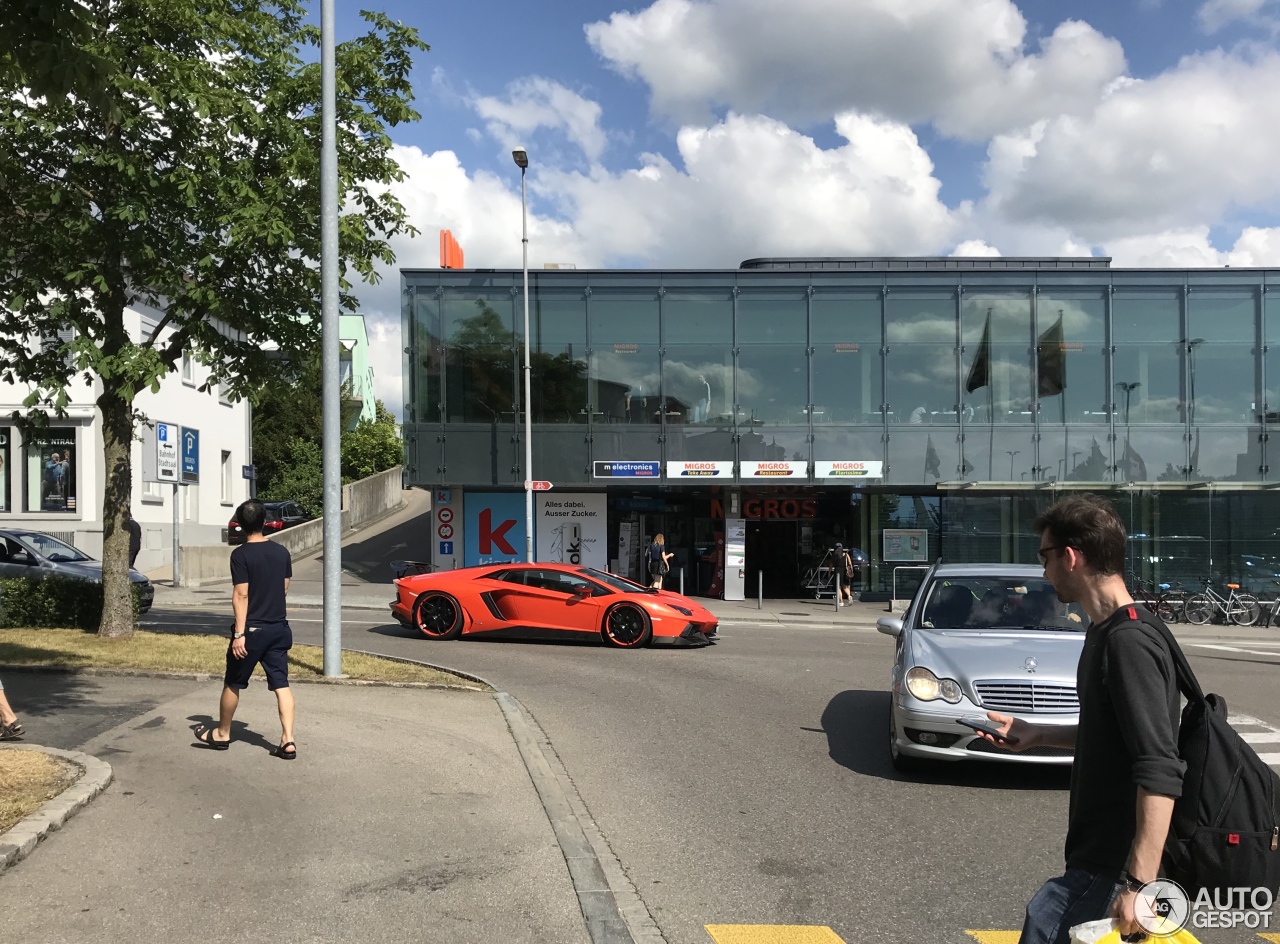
pixel 1128 738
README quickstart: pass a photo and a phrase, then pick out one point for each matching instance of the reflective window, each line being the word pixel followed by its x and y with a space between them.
pixel 697 367
pixel 557 357
pixel 1071 358
pixel 426 358
pixel 1075 454
pixel 1271 332
pixel 920 334
pixel 51 470
pixel 480 358
pixel 773 369
pixel 625 370
pixel 1221 363
pixel 923 457
pixel 997 379
pixel 1147 367
pixel 844 332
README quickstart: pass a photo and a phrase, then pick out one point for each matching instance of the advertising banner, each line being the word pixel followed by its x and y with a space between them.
pixel 851 469
pixel 735 558
pixel 572 529
pixel 699 472
pixel 626 470
pixel 770 471
pixel 494 527
pixel 906 544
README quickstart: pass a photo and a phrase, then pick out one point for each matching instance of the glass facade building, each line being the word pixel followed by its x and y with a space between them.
pixel 949 397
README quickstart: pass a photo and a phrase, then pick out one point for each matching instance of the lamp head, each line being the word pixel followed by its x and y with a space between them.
pixel 521 157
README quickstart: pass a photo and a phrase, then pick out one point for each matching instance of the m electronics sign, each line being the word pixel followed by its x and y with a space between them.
pixel 696 472
pixel 493 527
pixel 848 470
pixel 626 470
pixel 774 470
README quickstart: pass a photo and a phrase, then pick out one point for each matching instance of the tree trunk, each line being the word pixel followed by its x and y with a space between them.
pixel 118 618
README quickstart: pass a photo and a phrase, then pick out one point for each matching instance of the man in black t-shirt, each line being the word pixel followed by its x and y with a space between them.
pixel 1127 772
pixel 260 575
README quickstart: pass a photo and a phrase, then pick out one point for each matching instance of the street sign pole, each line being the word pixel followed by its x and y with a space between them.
pixel 177 553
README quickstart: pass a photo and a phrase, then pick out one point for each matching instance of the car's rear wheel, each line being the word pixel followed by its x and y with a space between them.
pixel 901 762
pixel 626 626
pixel 437 615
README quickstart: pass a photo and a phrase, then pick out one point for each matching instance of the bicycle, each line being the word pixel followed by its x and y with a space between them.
pixel 1243 609
pixel 1168 604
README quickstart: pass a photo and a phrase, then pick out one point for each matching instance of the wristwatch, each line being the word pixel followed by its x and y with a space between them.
pixel 237 635
pixel 1130 883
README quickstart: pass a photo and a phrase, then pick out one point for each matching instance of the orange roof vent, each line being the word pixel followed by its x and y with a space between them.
pixel 450 251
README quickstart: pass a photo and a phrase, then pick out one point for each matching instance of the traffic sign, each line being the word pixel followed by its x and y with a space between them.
pixel 446 548
pixel 190 455
pixel 167 452
pixel 539 486
pixel 445 515
pixel 445 531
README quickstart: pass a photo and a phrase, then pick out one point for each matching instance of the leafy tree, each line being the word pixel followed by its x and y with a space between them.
pixel 372 447
pixel 300 478
pixel 190 183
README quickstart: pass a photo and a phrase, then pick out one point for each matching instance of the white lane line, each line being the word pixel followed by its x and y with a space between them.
pixel 1264 737
pixel 1272 759
pixel 1252 652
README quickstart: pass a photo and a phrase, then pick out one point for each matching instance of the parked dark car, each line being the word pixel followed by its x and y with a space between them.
pixel 280 515
pixel 39 555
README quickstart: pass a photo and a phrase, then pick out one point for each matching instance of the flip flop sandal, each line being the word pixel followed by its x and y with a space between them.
pixel 286 755
pixel 206 738
pixel 12 731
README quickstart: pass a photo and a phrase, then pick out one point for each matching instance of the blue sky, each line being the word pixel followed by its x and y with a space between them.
pixel 702 132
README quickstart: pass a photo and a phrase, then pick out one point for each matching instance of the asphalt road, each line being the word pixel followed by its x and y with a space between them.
pixel 749 782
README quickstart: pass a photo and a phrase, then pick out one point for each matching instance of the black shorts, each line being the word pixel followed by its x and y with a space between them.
pixel 268 645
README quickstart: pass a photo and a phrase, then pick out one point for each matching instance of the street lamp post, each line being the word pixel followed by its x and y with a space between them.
pixel 1191 357
pixel 521 157
pixel 1128 389
pixel 1011 453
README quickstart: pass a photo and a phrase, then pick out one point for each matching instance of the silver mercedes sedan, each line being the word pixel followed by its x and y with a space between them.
pixel 979 638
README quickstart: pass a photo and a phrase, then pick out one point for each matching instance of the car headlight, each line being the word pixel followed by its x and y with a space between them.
pixel 925 686
pixel 680 609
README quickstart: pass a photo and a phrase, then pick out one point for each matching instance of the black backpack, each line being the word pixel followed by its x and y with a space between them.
pixel 1225 831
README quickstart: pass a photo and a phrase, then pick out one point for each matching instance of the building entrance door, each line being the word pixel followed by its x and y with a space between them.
pixel 773 549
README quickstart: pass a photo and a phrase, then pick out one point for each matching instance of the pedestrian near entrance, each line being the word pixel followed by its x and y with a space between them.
pixel 260 575
pixel 1127 772
pixel 659 561
pixel 846 576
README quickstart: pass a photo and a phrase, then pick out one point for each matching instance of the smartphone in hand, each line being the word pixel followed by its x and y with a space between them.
pixel 986 727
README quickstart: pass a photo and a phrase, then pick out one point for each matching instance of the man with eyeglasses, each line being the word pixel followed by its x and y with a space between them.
pixel 1127 772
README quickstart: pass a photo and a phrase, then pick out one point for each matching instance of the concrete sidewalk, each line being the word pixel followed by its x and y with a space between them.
pixel 408 815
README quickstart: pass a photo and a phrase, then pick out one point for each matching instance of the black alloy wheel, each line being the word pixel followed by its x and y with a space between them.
pixel 626 626
pixel 437 615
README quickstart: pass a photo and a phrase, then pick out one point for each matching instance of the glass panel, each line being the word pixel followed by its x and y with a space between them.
pixel 1070 355
pixel 700 442
pixel 773 370
pixel 422 453
pixel 625 369
pixel 1271 311
pixel 1244 536
pixel 637 443
pixel 698 384
pixel 558 358
pixel 836 444
pixel 997 377
pixel 1075 454
pixel 848 374
pixel 999 453
pixel 1148 383
pixel 51 471
pixel 560 454
pixel 703 318
pixel 426 372
pixel 921 363
pixel 1223 317
pixel 922 457
pixel 991 528
pixel 903 511
pixel 481 455
pixel 480 360
pixel 1150 454
pixel 775 444
pixel 1224 454
pixel 1223 383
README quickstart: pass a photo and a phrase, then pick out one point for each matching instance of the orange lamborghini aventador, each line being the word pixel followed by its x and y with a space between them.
pixel 549 601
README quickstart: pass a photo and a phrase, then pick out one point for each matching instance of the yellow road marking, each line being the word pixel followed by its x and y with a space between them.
pixel 995 937
pixel 772 934
pixel 1273 938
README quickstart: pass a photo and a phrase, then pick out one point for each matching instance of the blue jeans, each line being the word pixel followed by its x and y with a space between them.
pixel 1063 902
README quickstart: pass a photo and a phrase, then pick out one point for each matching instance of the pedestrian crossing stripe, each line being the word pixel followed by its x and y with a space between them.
pixel 772 934
pixel 995 937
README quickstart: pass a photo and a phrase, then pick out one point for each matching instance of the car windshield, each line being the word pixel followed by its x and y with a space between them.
pixel 51 549
pixel 613 581
pixel 998 602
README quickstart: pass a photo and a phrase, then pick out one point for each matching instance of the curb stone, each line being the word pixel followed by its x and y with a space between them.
pixel 26 834
pixel 209 677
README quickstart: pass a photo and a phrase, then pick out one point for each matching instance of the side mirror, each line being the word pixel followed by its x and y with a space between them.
pixel 889 625
pixel 582 590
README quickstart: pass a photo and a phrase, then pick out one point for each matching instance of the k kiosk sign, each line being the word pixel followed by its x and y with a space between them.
pixel 493 529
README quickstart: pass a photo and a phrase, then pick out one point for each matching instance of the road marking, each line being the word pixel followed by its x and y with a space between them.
pixel 1273 938
pixel 1266 737
pixel 1252 652
pixel 995 937
pixel 772 934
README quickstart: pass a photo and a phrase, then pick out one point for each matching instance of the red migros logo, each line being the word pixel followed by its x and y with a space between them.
pixel 491 537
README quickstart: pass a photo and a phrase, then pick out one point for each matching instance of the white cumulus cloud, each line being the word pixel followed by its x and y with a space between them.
pixel 960 64
pixel 532 103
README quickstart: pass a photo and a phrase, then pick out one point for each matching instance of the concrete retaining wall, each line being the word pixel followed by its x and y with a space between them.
pixel 363 501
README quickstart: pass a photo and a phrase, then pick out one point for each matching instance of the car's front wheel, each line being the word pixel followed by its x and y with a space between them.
pixel 902 763
pixel 437 615
pixel 626 626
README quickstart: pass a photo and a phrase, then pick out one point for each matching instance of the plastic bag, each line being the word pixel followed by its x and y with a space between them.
pixel 1104 932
